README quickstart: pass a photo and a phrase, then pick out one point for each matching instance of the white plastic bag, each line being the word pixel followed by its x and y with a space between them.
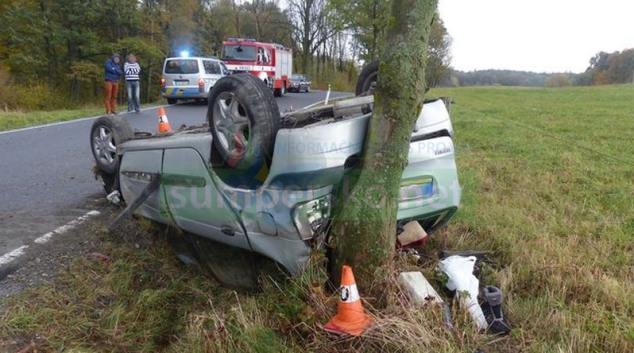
pixel 459 270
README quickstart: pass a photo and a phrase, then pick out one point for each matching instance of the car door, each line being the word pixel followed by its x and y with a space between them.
pixel 195 202
pixel 213 72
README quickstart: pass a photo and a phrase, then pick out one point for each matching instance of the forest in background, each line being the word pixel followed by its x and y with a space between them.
pixel 52 51
pixel 604 69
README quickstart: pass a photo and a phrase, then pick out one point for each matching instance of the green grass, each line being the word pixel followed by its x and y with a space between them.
pixel 15 119
pixel 548 182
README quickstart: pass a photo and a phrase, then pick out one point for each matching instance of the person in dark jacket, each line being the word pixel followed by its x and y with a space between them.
pixel 111 85
pixel 132 71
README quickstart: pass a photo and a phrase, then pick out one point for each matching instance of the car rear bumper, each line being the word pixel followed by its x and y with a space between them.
pixel 183 92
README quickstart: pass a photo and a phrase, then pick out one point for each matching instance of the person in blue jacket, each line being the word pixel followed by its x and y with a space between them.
pixel 111 85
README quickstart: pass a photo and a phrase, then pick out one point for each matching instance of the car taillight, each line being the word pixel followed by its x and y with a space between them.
pixel 201 82
pixel 162 82
pixel 201 85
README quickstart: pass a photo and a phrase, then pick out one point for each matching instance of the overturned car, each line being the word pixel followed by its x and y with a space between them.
pixel 253 190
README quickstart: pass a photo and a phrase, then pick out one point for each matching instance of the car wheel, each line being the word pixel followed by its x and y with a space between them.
pixel 106 134
pixel 172 100
pixel 368 74
pixel 244 119
pixel 307 89
pixel 233 267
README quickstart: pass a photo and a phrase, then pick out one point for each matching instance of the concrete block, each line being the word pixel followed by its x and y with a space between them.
pixel 418 289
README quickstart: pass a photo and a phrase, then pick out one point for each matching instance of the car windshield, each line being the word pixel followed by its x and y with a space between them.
pixel 296 77
pixel 181 66
pixel 238 52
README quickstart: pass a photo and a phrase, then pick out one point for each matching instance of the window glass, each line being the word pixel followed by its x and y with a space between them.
pixel 238 53
pixel 181 66
pixel 211 67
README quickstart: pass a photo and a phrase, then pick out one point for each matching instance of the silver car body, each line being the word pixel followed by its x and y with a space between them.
pixel 307 164
pixel 183 76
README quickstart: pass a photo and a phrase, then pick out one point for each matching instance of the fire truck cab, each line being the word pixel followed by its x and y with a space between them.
pixel 270 62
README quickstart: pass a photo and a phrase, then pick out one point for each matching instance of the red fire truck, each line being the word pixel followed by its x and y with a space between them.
pixel 272 63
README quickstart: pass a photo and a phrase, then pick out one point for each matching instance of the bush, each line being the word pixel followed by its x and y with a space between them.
pixel 558 80
pixel 28 97
pixel 37 97
pixel 8 96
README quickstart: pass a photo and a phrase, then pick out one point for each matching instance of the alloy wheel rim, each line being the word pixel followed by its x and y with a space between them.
pixel 231 121
pixel 104 145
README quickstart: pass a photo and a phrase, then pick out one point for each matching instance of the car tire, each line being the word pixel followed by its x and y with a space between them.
pixel 172 100
pixel 369 74
pixel 235 268
pixel 106 134
pixel 244 119
pixel 307 89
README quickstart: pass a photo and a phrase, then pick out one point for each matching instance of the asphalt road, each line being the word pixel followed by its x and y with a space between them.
pixel 46 175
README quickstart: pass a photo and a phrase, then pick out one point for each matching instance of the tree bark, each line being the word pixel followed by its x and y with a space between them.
pixel 363 232
pixel 306 39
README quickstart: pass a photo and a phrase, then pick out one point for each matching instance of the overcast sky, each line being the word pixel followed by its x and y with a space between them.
pixel 535 35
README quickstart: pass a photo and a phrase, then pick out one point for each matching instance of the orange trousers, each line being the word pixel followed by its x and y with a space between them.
pixel 110 96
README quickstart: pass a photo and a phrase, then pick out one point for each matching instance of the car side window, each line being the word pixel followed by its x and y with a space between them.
pixel 225 70
pixel 211 67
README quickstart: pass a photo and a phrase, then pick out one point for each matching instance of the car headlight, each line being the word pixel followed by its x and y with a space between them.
pixel 309 216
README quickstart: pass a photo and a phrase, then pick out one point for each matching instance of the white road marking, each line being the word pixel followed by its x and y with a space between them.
pixel 69 121
pixel 44 238
pixel 65 228
pixel 10 256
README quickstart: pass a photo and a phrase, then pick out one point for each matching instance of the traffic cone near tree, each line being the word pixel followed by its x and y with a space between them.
pixel 350 318
pixel 164 124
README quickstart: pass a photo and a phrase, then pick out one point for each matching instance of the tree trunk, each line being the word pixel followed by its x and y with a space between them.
pixel 363 232
pixel 148 94
pixel 306 35
pixel 375 33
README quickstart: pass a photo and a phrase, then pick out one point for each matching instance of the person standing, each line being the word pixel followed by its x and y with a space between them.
pixel 111 85
pixel 132 71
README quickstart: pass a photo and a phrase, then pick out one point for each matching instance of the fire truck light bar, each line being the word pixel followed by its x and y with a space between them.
pixel 240 40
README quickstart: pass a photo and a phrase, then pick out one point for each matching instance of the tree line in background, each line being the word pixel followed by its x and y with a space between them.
pixel 52 51
pixel 604 69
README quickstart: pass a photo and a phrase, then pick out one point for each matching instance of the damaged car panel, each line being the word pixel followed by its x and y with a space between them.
pixel 276 209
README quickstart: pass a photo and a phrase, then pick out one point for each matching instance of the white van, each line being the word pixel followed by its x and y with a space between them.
pixel 190 77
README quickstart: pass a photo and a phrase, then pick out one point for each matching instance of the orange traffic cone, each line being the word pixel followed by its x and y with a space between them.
pixel 350 318
pixel 164 125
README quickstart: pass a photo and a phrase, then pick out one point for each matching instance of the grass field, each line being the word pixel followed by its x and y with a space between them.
pixel 15 120
pixel 548 177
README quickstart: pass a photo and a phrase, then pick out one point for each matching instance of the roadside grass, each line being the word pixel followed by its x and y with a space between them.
pixel 16 119
pixel 548 182
pixel 10 120
pixel 554 187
